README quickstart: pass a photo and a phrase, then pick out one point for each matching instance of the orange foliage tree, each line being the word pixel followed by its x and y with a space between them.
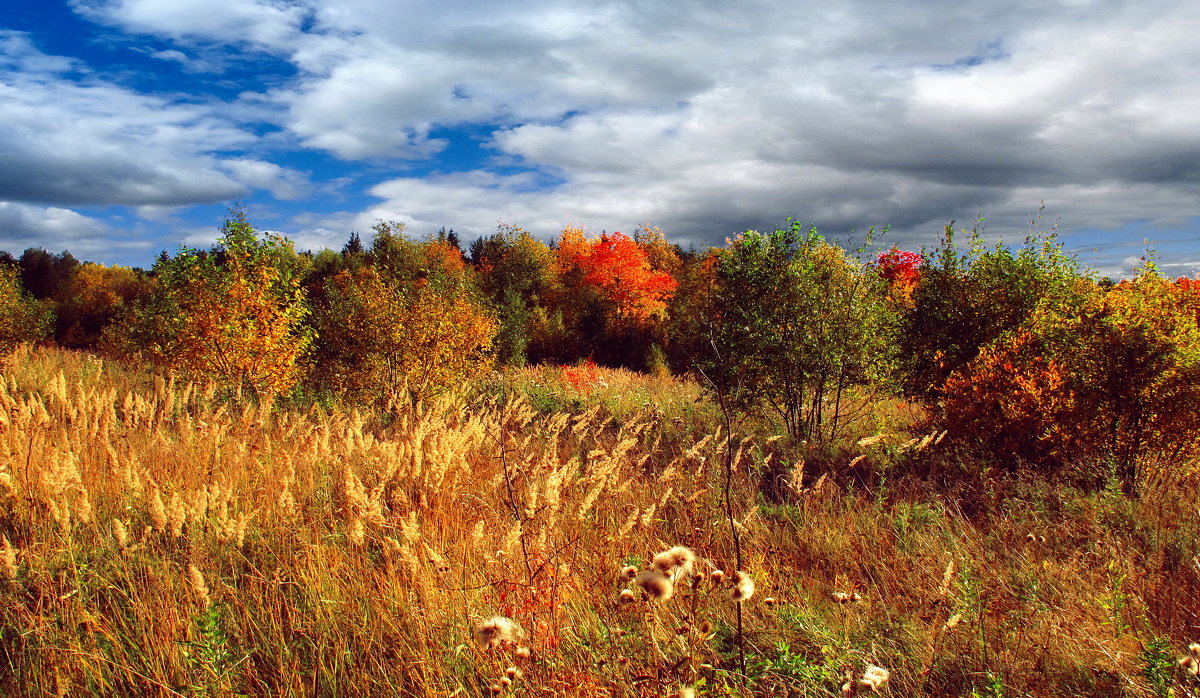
pixel 617 268
pixel 610 299
pixel 233 313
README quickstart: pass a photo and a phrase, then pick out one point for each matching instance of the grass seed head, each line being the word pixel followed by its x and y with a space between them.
pixel 196 579
pixel 8 560
pixel 120 533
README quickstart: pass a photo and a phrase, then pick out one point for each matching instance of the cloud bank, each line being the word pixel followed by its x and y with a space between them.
pixel 704 119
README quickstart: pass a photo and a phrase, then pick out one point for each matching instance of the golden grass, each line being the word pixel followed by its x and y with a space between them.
pixel 159 541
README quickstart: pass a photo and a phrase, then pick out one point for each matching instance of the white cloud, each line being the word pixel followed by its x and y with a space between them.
pixel 709 117
pixel 283 183
pixel 75 139
pixel 23 226
pixel 263 23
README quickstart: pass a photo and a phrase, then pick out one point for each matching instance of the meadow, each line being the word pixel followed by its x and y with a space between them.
pixel 163 537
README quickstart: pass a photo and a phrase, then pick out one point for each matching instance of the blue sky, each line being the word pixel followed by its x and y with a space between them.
pixel 128 126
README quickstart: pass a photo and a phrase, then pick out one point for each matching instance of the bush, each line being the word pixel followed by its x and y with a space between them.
pixel 22 318
pixel 1117 382
pixel 967 299
pixel 233 313
pixel 388 339
pixel 798 323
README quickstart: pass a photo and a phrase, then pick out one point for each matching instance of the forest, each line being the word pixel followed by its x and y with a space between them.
pixel 604 465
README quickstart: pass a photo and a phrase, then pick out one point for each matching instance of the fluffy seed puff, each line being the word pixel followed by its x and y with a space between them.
pixel 498 631
pixel 743 586
pixel 679 561
pixel 655 585
pixel 874 677
pixel 628 572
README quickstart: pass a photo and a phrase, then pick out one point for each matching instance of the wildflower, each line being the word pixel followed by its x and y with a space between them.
pixel 655 585
pixel 522 652
pixel 628 572
pixel 705 628
pixel 716 576
pixel 770 601
pixel 498 631
pixel 845 597
pixel 679 560
pixel 743 586
pixel 625 597
pixel 512 673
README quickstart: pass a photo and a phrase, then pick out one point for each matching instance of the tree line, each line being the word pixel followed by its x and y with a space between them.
pixel 1016 352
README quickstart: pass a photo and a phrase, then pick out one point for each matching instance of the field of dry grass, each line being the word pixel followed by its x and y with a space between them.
pixel 161 540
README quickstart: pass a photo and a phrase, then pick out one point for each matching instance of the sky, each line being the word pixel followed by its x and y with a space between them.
pixel 128 127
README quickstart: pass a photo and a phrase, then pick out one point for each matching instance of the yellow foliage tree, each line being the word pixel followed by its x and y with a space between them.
pixel 234 313
pixel 22 319
pixel 388 339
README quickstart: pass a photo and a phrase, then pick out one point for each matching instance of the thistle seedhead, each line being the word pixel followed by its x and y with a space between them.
pixel 628 572
pixel 655 585
pixel 679 561
pixel 743 586
pixel 498 631
pixel 874 677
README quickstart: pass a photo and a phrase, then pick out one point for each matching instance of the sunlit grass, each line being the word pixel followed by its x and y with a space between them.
pixel 163 540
